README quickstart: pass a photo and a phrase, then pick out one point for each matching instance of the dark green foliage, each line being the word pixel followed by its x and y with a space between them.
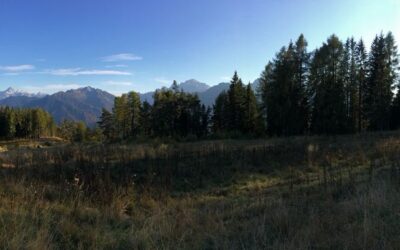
pixel 349 74
pixel 146 119
pixel 73 131
pixel 342 89
pixel 236 104
pixel 327 85
pixel 25 123
pixel 106 124
pixel 383 66
pixel 173 114
pixel 284 90
pixel 220 110
pixel 178 114
pixel 252 120
pixel 134 113
pixel 361 81
pixel 122 117
pixel 237 111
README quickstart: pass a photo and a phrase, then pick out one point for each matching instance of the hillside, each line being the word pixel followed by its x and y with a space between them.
pixel 84 104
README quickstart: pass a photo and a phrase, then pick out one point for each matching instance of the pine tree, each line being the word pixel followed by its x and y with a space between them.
pixel 349 75
pixel 220 117
pixel 236 101
pixel 383 61
pixel 252 123
pixel 146 119
pixel 106 123
pixel 205 121
pixel 122 119
pixel 134 105
pixel 327 84
pixel 264 93
pixel 284 90
pixel 301 99
pixel 361 78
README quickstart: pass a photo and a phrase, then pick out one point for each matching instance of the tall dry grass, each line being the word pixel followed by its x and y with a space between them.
pixel 294 193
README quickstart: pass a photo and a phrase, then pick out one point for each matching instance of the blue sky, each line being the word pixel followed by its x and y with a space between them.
pixel 122 45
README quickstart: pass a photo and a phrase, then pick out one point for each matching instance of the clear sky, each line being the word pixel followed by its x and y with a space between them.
pixel 121 45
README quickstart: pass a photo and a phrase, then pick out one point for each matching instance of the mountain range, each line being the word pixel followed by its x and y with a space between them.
pixel 10 92
pixel 85 104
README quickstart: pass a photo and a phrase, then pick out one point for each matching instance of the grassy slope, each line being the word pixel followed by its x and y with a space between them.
pixel 295 193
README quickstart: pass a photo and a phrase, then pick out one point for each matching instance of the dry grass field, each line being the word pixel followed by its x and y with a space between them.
pixel 293 193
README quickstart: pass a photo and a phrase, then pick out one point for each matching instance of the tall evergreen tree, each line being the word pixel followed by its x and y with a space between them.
pixel 327 83
pixel 383 63
pixel 146 119
pixel 264 92
pixel 349 76
pixel 106 124
pixel 361 79
pixel 236 104
pixel 220 117
pixel 252 119
pixel 122 119
pixel 300 90
pixel 134 108
pixel 284 90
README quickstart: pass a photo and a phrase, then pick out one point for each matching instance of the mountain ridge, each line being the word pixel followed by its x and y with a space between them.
pixel 11 92
pixel 85 104
pixel 82 104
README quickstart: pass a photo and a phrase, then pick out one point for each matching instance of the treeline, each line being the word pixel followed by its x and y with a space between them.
pixel 337 88
pixel 25 123
pixel 173 114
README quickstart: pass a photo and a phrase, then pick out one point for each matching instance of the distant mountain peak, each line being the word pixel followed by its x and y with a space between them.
pixel 82 104
pixel 192 81
pixel 10 92
pixel 88 88
pixel 193 86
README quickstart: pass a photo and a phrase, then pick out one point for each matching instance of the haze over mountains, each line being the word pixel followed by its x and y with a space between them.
pixel 85 104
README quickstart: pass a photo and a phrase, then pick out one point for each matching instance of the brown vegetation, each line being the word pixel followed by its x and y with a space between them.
pixel 293 193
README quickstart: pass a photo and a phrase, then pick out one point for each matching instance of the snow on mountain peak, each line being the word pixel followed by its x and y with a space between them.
pixel 10 92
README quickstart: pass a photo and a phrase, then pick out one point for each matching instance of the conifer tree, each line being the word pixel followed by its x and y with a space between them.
pixel 284 90
pixel 383 63
pixel 106 123
pixel 327 83
pixel 220 117
pixel 146 119
pixel 134 107
pixel 361 79
pixel 236 104
pixel 252 122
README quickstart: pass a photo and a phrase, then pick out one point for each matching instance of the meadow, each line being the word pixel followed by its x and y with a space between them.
pixel 339 192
